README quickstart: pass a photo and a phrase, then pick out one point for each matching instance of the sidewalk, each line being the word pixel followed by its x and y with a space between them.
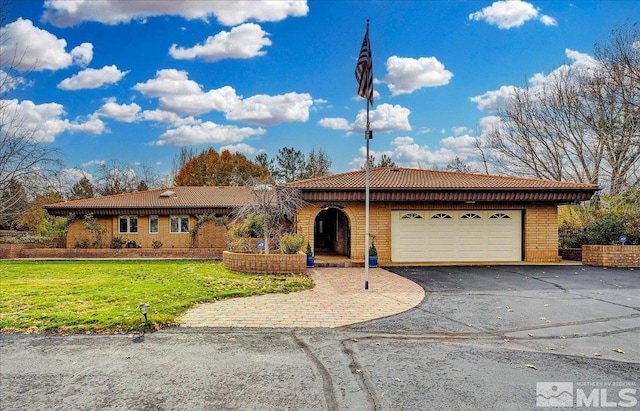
pixel 338 299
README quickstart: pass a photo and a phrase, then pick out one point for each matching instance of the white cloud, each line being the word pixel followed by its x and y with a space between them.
pixel 161 116
pixel 10 81
pixel 206 133
pixel 44 122
pixel 459 130
pixel 385 117
pixel 507 14
pixel 223 99
pixel 494 100
pixel 65 13
pixel 92 163
pixel 266 110
pixel 126 113
pixel 548 20
pixel 241 42
pixel 239 148
pixel 82 54
pixel 93 125
pixel 334 123
pixel 182 96
pixel 38 49
pixel 92 78
pixel 406 75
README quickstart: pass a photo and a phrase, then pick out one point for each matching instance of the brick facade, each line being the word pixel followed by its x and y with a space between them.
pixel 265 263
pixel 209 236
pixel 540 231
pixel 611 255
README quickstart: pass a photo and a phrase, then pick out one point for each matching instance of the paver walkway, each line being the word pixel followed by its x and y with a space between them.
pixel 338 299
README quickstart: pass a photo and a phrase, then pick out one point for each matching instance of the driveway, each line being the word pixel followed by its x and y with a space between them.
pixel 482 338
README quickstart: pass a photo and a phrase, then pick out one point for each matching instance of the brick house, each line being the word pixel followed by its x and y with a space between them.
pixel 166 215
pixel 415 215
pixel 437 216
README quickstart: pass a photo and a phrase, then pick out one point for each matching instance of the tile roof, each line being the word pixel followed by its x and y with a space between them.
pixel 394 178
pixel 183 197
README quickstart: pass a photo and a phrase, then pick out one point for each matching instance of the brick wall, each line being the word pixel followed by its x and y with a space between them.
pixel 265 263
pixel 540 236
pixel 611 255
pixel 209 236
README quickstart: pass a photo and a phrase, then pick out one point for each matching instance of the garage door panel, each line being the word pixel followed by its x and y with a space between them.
pixel 450 236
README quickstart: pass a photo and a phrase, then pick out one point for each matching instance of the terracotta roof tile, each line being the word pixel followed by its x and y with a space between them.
pixel 181 197
pixel 388 178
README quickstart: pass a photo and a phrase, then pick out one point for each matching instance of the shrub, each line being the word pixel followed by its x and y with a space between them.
pixel 156 244
pixel 133 244
pixel 84 243
pixel 372 250
pixel 117 242
pixel 309 250
pixel 240 245
pixel 291 243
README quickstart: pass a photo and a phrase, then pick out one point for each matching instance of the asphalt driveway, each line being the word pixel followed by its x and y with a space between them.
pixel 482 338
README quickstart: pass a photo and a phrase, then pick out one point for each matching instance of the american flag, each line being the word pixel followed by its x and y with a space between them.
pixel 364 69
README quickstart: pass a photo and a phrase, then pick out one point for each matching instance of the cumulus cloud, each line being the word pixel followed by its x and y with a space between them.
pixel 38 49
pixel 493 100
pixel 507 14
pixel 239 148
pixel 65 13
pixel 182 96
pixel 161 116
pixel 126 113
pixel 406 75
pixel 334 123
pixel 44 122
pixel 384 118
pixel 206 133
pixel 266 110
pixel 168 82
pixel 241 42
pixel 93 78
pixel 496 99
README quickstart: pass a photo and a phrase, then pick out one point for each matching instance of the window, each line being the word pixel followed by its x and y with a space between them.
pixel 128 224
pixel 153 224
pixel 470 215
pixel 500 215
pixel 179 224
pixel 412 215
pixel 441 215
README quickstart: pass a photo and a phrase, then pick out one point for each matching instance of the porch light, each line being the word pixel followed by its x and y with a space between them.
pixel 144 310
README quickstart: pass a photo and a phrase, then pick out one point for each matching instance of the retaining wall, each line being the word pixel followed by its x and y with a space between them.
pixel 611 255
pixel 265 263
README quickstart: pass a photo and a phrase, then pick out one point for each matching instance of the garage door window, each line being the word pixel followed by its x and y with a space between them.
pixel 440 215
pixel 470 215
pixel 411 216
pixel 500 215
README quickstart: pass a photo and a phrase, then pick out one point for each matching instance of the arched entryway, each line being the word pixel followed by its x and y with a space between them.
pixel 332 232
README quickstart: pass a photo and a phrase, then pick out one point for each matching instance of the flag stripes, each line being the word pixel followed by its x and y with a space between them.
pixel 364 70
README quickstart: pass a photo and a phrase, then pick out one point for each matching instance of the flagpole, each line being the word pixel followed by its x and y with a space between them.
pixel 366 190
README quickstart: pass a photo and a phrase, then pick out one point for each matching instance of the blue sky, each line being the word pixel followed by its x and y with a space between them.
pixel 133 81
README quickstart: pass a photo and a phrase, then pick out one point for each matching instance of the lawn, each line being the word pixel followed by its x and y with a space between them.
pixel 103 296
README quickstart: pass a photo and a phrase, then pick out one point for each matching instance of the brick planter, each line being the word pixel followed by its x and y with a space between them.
pixel 265 263
pixel 611 255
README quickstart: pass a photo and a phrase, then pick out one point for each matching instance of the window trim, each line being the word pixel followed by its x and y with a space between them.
pixel 179 217
pixel 128 217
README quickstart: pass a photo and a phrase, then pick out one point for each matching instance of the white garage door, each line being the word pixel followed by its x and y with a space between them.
pixel 450 236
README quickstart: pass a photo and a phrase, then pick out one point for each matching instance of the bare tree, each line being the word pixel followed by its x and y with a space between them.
pixel 278 206
pixel 26 165
pixel 581 125
pixel 318 163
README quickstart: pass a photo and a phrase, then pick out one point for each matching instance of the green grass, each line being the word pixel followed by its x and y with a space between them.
pixel 103 296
